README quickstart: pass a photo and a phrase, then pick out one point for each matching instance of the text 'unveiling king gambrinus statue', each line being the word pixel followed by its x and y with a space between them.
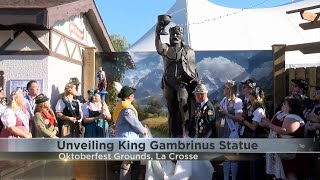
pixel 179 78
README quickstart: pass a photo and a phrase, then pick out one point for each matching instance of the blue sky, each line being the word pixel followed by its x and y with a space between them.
pixel 133 18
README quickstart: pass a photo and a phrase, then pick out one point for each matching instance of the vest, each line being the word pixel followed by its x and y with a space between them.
pixel 122 105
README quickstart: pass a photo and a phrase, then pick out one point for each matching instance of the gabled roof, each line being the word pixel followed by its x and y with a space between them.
pixel 42 14
pixel 33 3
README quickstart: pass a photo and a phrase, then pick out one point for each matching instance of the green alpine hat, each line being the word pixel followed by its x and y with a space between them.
pixel 126 91
pixel 41 98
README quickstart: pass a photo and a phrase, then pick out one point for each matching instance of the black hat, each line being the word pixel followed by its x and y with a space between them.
pixel 74 81
pixel 250 83
pixel 301 83
pixel 41 98
pixel 126 91
pixel 92 92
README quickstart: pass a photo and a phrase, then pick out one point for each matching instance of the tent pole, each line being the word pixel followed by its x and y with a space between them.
pixel 188 30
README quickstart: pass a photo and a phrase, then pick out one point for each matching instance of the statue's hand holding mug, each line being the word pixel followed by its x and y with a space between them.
pixel 163 21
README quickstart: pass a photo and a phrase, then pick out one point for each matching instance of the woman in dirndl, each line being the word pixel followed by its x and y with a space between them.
pixel 231 114
pixel 286 123
pixel 95 116
pixel 15 118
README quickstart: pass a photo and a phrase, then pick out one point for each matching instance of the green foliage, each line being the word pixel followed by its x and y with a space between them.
pixel 116 70
pixel 154 108
pixel 158 126
pixel 119 42
pixel 116 67
pixel 141 113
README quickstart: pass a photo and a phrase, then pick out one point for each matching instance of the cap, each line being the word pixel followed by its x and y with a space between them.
pixel 41 98
pixel 126 91
pixel 250 83
pixel 200 88
pixel 301 83
pixel 74 81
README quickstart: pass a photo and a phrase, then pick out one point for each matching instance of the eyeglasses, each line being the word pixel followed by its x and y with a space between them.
pixel 294 85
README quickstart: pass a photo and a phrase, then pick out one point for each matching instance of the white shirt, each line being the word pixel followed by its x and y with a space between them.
pixel 2 108
pixel 30 104
pixel 203 102
pixel 9 119
pixel 258 114
pixel 93 107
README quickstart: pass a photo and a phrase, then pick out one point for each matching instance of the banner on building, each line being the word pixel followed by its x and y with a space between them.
pixel 22 85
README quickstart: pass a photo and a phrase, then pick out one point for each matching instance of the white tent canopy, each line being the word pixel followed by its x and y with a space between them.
pixel 209 27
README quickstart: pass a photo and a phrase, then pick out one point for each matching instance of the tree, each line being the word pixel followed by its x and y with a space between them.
pixel 119 42
pixel 154 106
pixel 116 68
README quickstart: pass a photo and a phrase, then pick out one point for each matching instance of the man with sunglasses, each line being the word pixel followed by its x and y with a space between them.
pixel 179 79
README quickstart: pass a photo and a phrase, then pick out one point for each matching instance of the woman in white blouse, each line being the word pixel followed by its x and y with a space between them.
pixel 285 124
pixel 256 112
pixel 231 114
pixel 69 112
pixel 15 118
pixel 94 114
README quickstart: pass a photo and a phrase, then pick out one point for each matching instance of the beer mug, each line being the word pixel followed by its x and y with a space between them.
pixel 164 20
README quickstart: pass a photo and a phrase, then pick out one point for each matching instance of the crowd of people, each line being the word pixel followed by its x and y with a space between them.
pixel 241 116
pixel 30 115
pixel 246 117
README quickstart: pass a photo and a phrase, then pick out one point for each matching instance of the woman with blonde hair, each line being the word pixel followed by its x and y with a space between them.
pixel 69 112
pixel 231 114
pixel 16 118
pixel 44 118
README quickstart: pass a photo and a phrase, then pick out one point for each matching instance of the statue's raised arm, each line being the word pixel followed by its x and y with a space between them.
pixel 163 20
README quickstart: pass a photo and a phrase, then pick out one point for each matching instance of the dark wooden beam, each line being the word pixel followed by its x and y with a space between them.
pixel 9 41
pixel 36 40
pixel 306 48
pixel 24 52
pixel 303 9
pixel 310 25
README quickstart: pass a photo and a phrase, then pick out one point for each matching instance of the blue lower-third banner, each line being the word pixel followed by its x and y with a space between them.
pixel 149 149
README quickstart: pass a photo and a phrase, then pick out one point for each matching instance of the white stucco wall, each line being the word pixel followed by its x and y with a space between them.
pixel 89 38
pixel 59 73
pixel 54 73
pixel 21 67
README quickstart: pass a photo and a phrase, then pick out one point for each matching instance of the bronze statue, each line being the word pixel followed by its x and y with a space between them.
pixel 179 78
